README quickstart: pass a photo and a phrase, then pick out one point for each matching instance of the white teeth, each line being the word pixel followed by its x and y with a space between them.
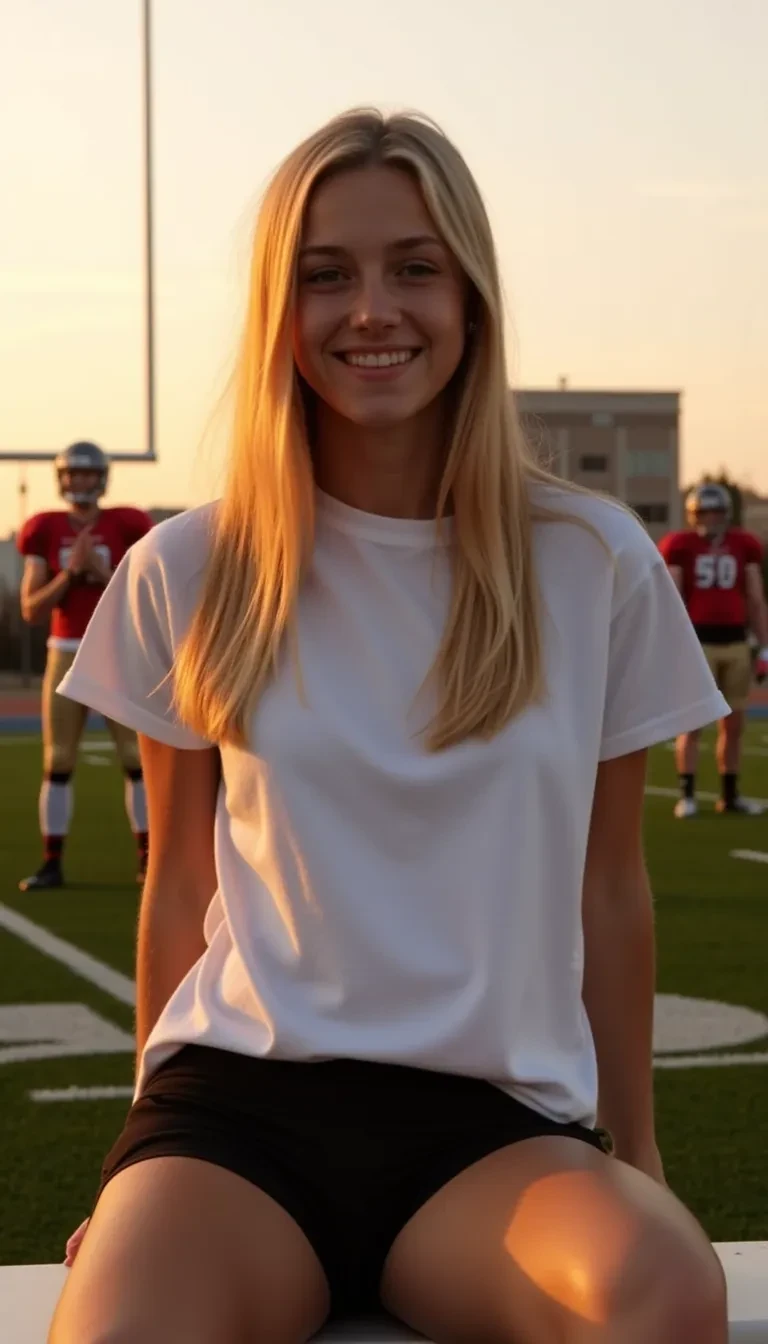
pixel 379 361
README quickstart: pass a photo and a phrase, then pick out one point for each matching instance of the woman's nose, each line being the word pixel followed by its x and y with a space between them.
pixel 374 307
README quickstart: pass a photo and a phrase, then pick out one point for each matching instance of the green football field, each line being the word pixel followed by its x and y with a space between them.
pixel 60 1031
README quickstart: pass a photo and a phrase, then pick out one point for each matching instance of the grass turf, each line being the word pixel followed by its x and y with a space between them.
pixel 711 919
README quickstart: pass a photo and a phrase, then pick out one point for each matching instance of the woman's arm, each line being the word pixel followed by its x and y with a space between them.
pixel 181 787
pixel 181 879
pixel 619 970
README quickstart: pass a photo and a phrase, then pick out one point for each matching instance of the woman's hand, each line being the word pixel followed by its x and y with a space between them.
pixel 74 1243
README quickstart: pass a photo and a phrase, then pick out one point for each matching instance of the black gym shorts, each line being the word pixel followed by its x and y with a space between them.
pixel 350 1149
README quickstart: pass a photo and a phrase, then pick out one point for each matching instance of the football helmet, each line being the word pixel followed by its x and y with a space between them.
pixel 709 497
pixel 82 457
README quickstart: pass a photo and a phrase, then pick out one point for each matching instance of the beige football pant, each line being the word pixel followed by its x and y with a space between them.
pixel 731 666
pixel 64 721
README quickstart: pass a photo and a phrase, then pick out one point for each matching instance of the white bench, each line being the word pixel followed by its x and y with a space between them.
pixel 28 1295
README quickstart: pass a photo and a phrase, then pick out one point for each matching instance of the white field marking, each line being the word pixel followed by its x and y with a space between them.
pixel 686 1025
pixel 57 1031
pixel 708 1061
pixel 655 791
pixel 752 855
pixel 75 1093
pixel 100 760
pixel 81 963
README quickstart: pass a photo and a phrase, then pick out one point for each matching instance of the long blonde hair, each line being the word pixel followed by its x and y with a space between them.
pixel 489 663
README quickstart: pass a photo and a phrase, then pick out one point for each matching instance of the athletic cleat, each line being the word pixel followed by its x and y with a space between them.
pixel 685 808
pixel 45 879
pixel 743 807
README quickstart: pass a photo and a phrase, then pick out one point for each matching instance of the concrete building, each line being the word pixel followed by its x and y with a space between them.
pixel 10 565
pixel 755 514
pixel 625 443
pixel 159 515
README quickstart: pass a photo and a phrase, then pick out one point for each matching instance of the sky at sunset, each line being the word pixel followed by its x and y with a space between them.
pixel 622 151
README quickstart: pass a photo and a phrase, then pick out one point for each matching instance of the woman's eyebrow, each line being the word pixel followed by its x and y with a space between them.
pixel 400 245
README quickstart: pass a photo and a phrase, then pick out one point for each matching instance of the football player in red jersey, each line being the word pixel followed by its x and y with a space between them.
pixel 69 556
pixel 718 569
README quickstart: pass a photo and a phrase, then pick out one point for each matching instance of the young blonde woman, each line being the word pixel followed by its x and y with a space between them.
pixel 395 957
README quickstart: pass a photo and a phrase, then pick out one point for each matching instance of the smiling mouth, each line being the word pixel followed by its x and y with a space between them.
pixel 379 359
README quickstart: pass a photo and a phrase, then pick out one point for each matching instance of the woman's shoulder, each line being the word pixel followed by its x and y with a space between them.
pixel 178 546
pixel 593 533
pixel 613 523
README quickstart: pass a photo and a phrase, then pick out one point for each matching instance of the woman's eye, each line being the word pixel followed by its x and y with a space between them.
pixel 327 275
pixel 418 270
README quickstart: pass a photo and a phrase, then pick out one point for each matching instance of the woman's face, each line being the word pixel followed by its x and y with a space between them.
pixel 381 310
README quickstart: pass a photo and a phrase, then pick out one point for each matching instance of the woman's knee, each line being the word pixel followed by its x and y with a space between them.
pixel 671 1290
pixel 87 1314
pixel 184 1249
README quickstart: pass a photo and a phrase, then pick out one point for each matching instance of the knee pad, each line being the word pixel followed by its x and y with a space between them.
pixel 57 776
pixel 135 775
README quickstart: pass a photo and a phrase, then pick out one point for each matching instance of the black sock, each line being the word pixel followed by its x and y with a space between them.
pixel 54 848
pixel 687 785
pixel 729 785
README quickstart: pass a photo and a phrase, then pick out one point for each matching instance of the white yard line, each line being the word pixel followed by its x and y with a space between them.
pixel 752 855
pixel 81 963
pixel 708 1061
pixel 75 1093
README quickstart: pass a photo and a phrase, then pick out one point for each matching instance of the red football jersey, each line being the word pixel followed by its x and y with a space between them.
pixel 714 574
pixel 51 537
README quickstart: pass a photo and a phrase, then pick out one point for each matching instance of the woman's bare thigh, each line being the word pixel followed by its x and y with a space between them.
pixel 180 1249
pixel 549 1239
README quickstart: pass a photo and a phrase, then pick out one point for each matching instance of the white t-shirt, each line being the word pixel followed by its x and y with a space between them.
pixel 377 901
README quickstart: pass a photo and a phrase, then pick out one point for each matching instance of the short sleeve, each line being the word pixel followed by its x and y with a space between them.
pixel 672 549
pixel 753 549
pixel 137 525
pixel 31 540
pixel 658 683
pixel 124 665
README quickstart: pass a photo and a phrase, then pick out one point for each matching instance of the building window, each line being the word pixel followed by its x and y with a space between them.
pixel 652 513
pixel 593 462
pixel 648 462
